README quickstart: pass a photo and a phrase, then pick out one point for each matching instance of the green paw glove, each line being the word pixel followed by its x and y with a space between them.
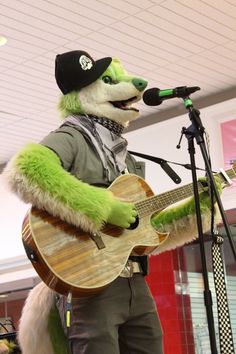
pixel 122 214
pixel 204 196
pixel 203 181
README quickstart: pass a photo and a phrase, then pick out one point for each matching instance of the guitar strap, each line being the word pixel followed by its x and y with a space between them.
pixel 225 330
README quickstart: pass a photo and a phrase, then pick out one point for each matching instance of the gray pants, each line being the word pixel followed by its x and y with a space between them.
pixel 121 320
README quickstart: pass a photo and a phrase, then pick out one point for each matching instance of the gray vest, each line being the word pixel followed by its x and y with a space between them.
pixel 87 165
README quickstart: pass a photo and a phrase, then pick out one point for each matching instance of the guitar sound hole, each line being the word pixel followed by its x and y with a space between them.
pixel 135 224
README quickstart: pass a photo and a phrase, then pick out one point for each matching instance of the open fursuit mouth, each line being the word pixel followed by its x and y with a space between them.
pixel 125 104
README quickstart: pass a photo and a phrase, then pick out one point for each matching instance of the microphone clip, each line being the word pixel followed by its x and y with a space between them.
pixel 184 91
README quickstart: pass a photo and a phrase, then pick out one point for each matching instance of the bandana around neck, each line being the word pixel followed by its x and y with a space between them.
pixel 114 127
pixel 106 137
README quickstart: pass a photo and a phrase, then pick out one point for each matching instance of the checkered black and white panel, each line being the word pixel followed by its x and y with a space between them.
pixel 225 330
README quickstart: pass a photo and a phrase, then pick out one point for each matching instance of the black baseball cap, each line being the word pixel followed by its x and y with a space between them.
pixel 77 69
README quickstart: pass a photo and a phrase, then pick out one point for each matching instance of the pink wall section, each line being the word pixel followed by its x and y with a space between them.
pixel 228 132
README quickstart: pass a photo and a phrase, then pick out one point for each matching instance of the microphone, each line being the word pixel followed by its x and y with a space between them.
pixel 155 96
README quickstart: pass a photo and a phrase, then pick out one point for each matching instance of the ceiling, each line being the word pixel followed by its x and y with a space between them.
pixel 169 42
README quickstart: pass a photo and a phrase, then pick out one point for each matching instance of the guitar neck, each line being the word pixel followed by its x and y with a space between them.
pixel 158 202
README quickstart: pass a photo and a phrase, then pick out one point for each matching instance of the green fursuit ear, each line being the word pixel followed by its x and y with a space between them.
pixel 69 104
pixel 56 332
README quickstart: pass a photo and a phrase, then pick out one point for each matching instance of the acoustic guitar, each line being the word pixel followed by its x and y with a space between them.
pixel 70 260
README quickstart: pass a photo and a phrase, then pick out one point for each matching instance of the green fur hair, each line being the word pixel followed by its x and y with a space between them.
pixel 70 104
pixel 117 72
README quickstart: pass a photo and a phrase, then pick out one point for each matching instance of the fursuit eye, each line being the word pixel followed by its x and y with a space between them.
pixel 107 80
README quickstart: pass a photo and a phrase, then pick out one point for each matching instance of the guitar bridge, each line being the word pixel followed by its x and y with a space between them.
pixel 98 240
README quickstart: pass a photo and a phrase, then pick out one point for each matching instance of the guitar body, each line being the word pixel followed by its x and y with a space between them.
pixel 68 259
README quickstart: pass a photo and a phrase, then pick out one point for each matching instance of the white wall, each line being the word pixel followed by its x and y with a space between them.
pixel 12 212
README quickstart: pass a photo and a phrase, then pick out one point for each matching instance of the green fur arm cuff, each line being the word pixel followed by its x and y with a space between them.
pixel 185 209
pixel 40 179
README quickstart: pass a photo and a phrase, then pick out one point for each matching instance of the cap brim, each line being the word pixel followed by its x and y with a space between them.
pixel 102 64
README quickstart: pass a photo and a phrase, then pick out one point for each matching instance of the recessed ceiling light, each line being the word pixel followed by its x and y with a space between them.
pixel 3 295
pixel 3 40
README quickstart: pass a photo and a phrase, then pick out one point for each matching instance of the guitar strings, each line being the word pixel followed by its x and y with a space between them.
pixel 155 203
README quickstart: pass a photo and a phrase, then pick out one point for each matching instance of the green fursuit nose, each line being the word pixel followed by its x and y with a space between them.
pixel 140 84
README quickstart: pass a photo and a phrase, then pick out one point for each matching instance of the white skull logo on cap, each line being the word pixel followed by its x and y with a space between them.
pixel 85 62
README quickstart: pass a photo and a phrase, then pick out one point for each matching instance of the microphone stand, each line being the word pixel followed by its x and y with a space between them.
pixel 196 131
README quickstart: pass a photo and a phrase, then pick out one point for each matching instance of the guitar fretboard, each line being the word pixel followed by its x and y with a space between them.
pixel 158 202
